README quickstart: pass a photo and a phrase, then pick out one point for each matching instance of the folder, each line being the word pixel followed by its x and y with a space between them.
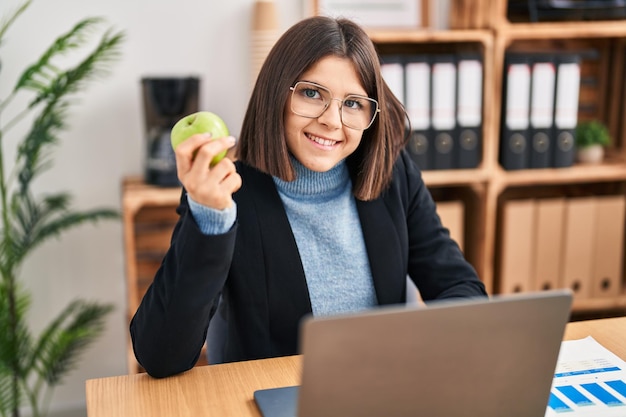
pixel 514 152
pixel 543 78
pixel 469 110
pixel 443 111
pixel 417 89
pixel 566 109
pixel 578 249
pixel 516 246
pixel 452 215
pixel 548 243
pixel 609 246
pixel 392 70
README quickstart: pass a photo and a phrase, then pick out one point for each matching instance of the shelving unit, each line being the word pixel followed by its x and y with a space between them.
pixel 149 213
pixel 490 183
pixel 607 38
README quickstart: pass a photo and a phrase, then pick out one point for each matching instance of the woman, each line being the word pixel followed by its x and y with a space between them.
pixel 322 213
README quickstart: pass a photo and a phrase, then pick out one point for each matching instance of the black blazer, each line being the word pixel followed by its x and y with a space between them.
pixel 256 269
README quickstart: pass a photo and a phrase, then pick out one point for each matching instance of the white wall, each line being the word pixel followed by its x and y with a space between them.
pixel 105 141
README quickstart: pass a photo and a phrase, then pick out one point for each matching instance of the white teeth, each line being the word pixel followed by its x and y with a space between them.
pixel 322 141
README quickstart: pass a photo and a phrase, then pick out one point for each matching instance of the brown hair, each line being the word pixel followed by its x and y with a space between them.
pixel 262 141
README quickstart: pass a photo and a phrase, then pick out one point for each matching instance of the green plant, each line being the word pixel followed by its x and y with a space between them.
pixel 32 365
pixel 592 133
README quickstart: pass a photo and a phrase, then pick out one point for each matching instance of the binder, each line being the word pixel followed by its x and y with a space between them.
pixel 469 110
pixel 420 148
pixel 578 245
pixel 516 246
pixel 452 215
pixel 392 70
pixel 443 111
pixel 609 246
pixel 548 243
pixel 543 78
pixel 566 109
pixel 417 82
pixel 514 152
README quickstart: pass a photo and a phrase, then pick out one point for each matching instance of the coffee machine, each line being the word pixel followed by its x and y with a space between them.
pixel 165 100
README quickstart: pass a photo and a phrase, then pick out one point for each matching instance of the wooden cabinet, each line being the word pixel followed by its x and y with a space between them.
pixel 601 98
pixel 489 185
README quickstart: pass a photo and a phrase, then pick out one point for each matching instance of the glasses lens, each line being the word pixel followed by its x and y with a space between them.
pixel 358 112
pixel 309 100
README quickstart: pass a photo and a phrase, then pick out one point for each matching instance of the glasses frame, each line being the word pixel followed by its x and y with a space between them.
pixel 327 105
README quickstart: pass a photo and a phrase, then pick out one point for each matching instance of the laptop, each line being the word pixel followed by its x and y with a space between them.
pixel 474 357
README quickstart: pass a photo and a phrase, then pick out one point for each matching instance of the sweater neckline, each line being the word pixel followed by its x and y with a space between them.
pixel 314 184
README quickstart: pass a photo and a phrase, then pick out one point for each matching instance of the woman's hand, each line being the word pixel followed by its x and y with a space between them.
pixel 210 185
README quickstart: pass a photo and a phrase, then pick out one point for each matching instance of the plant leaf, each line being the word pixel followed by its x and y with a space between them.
pixel 8 20
pixel 68 336
pixel 34 223
pixel 58 84
pixel 15 343
pixel 32 158
pixel 73 39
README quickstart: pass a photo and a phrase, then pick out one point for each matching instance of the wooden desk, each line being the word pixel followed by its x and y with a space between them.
pixel 226 390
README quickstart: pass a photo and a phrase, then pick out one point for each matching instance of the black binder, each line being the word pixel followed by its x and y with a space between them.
pixel 443 111
pixel 469 109
pixel 417 89
pixel 514 149
pixel 420 149
pixel 543 76
pixel 566 109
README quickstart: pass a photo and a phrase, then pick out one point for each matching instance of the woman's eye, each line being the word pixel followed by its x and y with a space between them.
pixel 310 93
pixel 352 104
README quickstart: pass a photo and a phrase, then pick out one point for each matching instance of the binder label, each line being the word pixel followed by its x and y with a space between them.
pixel 517 96
pixel 444 92
pixel 418 94
pixel 470 97
pixel 542 96
pixel 393 74
pixel 568 86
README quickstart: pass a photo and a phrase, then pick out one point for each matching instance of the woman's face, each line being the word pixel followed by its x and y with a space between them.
pixel 320 143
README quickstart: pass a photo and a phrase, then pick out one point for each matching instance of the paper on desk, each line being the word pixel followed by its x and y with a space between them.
pixel 589 381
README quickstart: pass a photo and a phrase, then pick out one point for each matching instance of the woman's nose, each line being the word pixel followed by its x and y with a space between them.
pixel 330 117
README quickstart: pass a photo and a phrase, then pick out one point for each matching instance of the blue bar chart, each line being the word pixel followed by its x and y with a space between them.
pixel 589 381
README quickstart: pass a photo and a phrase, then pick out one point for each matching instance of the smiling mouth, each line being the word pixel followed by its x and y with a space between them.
pixel 321 141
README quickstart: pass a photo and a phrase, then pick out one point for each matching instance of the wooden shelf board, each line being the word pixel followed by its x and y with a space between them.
pixel 137 194
pixel 598 304
pixel 561 30
pixel 434 178
pixel 576 173
pixel 434 36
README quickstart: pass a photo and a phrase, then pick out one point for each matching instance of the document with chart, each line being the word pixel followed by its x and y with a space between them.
pixel 589 381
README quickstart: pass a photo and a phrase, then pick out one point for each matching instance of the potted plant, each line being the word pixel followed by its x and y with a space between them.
pixel 591 138
pixel 31 365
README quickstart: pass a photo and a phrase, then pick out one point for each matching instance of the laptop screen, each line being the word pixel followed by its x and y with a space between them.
pixel 488 358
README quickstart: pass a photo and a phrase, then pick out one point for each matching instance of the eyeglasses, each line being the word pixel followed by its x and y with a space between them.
pixel 311 100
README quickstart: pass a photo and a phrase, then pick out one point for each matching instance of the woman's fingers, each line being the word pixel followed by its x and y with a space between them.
pixel 208 184
pixel 186 151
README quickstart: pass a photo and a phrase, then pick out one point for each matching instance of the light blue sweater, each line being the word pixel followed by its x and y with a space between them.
pixel 325 223
pixel 323 216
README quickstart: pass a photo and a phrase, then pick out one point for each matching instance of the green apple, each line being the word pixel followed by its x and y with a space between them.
pixel 200 122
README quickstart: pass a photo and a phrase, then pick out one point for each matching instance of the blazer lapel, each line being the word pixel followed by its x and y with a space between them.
pixel 384 251
pixel 287 292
